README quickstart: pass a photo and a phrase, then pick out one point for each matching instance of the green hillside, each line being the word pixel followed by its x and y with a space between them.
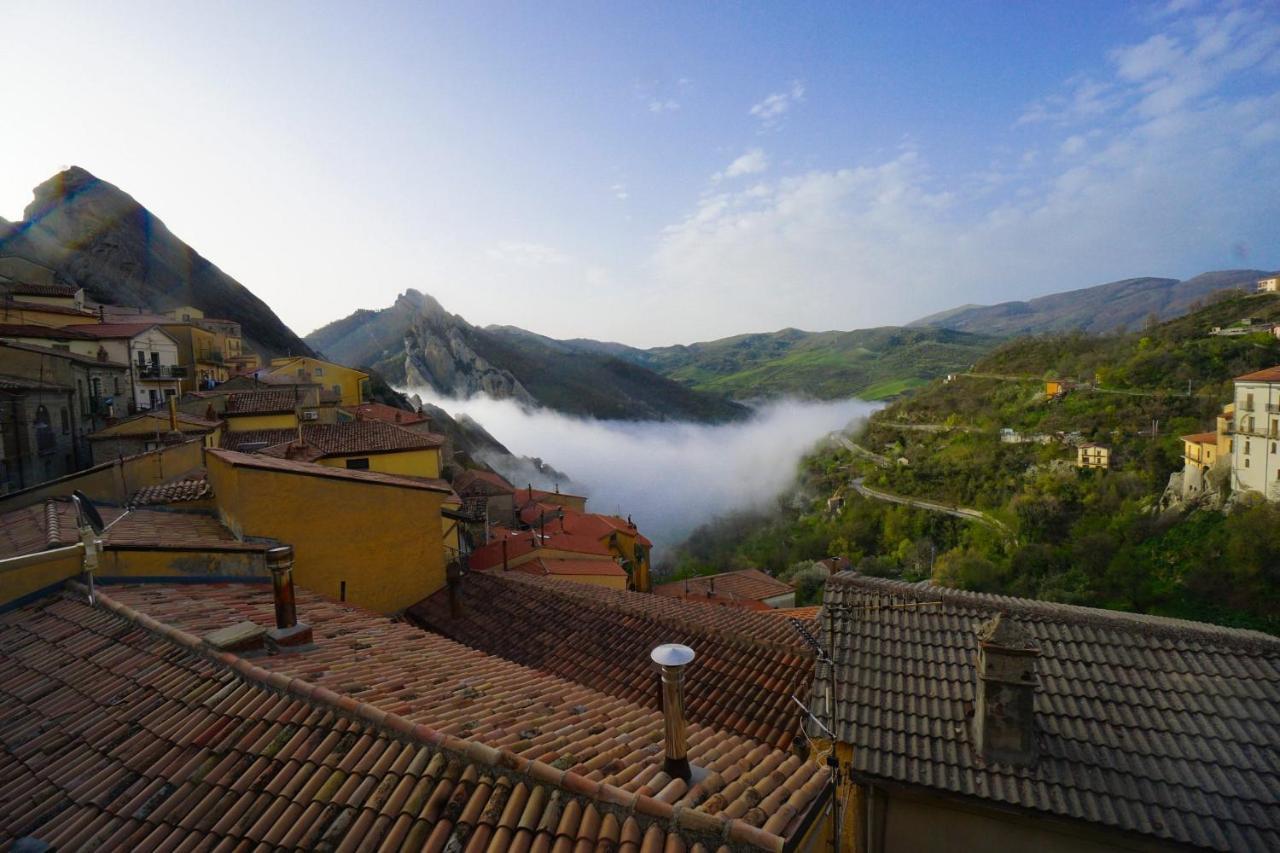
pixel 869 363
pixel 1048 529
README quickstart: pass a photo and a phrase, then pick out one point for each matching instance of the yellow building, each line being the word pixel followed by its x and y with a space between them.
pixel 347 385
pixel 201 353
pixel 1270 284
pixel 364 446
pixel 1093 456
pixel 279 408
pixel 149 431
pixel 371 539
pixel 20 313
pixel 1052 389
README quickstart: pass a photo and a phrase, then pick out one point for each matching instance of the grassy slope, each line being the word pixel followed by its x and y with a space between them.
pixel 873 363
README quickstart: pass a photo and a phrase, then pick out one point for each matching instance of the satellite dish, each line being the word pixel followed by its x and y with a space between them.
pixel 87 512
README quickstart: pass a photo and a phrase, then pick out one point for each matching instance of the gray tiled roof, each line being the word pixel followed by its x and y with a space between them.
pixel 1156 726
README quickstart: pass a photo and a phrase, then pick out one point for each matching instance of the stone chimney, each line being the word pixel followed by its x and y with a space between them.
pixel 1004 725
pixel 288 631
pixel 671 659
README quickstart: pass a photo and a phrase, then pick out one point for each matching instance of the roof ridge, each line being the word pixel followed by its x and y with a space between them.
pixel 1163 626
pixel 52 526
pixel 637 606
pixel 606 797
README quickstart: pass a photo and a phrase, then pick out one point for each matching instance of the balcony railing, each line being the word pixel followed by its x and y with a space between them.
pixel 161 371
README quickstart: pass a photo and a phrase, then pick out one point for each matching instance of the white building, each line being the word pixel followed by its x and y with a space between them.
pixel 152 356
pixel 1270 284
pixel 1255 460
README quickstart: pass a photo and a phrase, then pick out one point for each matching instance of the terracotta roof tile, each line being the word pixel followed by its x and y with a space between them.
pixel 27 288
pixel 311 469
pixel 117 736
pixel 1202 438
pixel 235 440
pixel 745 584
pixel 114 330
pixel 31 330
pixel 175 491
pixel 366 437
pixel 749 664
pixel 476 482
pixel 1157 726
pixel 1270 374
pixel 389 414
pixel 491 708
pixel 19 305
pixel 277 401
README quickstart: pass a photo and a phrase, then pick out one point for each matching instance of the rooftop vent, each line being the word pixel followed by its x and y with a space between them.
pixel 1004 713
pixel 288 631
pixel 671 659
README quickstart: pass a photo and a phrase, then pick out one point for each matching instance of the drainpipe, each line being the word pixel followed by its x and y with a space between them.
pixel 671 659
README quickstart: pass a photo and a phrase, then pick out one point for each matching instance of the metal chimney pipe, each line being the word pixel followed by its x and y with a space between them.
pixel 280 562
pixel 671 659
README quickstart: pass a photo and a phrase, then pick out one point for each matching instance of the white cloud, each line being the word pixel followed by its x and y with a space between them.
pixel 525 254
pixel 620 192
pixel 663 105
pixel 1073 145
pixel 774 106
pixel 753 162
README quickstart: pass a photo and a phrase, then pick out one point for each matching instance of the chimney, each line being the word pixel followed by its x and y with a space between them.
pixel 671 660
pixel 288 630
pixel 1004 713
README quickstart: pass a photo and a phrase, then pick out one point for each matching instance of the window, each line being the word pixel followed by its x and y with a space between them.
pixel 66 421
pixel 84 399
pixel 319 371
pixel 45 440
pixel 115 384
pixel 1246 463
pixel 337 389
pixel 1248 402
pixel 1246 445
pixel 358 464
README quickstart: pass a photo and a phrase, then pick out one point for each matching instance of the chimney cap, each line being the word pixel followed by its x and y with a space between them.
pixel 672 654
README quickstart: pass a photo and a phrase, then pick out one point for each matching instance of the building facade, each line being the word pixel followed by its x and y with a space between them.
pixel 1255 457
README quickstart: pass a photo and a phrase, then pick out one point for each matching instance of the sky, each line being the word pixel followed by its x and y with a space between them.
pixel 663 173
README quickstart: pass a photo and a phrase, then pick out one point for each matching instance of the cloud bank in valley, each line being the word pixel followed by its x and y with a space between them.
pixel 669 476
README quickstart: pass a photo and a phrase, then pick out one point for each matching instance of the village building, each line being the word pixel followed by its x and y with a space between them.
pixel 277 409
pixel 966 721
pixel 1255 456
pixel 345 386
pixel 1207 452
pixel 750 589
pixel 55 293
pixel 485 495
pixel 152 430
pixel 363 446
pixel 37 437
pixel 414 421
pixel 152 356
pixel 1270 284
pixel 1093 455
pixel 581 558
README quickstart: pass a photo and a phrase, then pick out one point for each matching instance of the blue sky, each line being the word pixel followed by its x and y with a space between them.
pixel 665 173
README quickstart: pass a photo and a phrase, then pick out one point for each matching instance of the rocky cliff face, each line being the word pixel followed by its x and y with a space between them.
pixel 438 354
pixel 99 237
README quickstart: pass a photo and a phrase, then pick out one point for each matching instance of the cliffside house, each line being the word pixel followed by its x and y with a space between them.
pixel 1255 458
pixel 1093 455
pixel 750 589
pixel 1204 451
pixel 966 721
pixel 152 356
pixel 344 385
pixel 1270 284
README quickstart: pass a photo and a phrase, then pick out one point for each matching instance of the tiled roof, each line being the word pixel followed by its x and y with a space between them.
pixel 519 543
pixel 266 437
pixel 366 437
pixel 389 414
pixel 474 481
pixel 18 305
pixel 748 665
pixel 177 491
pixel 525 495
pixel 190 424
pixel 31 330
pixel 115 330
pixel 1202 438
pixel 27 288
pixel 311 469
pixel 804 614
pixel 595 525
pixel 52 524
pixel 64 354
pixel 434 682
pixel 119 734
pixel 262 402
pixel 1270 374
pixel 1157 726
pixel 746 584
pixel 567 567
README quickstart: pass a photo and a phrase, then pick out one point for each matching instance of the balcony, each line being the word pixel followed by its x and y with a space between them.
pixel 210 357
pixel 160 372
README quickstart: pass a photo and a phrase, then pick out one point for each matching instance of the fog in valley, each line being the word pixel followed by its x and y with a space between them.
pixel 669 476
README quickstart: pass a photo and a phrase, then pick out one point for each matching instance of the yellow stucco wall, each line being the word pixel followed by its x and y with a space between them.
pixel 115 481
pixel 244 423
pixel 411 463
pixel 128 563
pixel 383 542
pixel 37 317
pixel 25 580
pixel 349 380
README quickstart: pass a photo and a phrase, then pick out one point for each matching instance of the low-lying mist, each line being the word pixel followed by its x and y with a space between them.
pixel 669 476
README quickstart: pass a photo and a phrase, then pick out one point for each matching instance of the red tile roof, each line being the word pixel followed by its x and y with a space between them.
pixel 1270 374
pixel 262 402
pixel 311 469
pixel 591 524
pixel 63 354
pixel 18 305
pixel 748 665
pixel 745 585
pixel 474 482
pixel 234 440
pixel 589 741
pixel 118 733
pixel 520 543
pixel 1202 438
pixel 31 330
pixel 567 567
pixel 189 424
pixel 52 524
pixel 388 414
pixel 527 495
pixel 366 437
pixel 176 491
pixel 114 330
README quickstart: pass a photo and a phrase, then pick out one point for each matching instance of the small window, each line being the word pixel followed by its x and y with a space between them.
pixel 319 371
pixel 302 372
pixel 66 421
pixel 337 389
pixel 358 464
pixel 1246 463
